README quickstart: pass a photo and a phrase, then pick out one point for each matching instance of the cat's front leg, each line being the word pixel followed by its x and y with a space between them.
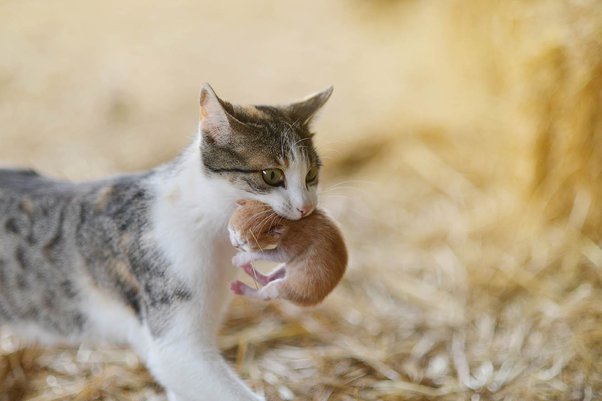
pixel 187 362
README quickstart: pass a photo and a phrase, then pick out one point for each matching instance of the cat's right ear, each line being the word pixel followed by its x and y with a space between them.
pixel 216 123
pixel 305 110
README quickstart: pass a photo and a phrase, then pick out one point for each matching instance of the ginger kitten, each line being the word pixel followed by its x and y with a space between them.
pixel 312 251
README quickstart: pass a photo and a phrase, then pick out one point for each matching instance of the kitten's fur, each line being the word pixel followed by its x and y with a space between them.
pixel 312 251
pixel 145 258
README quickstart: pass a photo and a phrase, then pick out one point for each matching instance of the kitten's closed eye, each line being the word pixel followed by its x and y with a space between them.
pixel 277 231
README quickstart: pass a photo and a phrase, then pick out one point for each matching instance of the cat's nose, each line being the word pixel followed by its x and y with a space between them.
pixel 306 209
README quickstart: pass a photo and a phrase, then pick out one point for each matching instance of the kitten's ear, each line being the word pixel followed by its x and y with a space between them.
pixel 215 120
pixel 305 110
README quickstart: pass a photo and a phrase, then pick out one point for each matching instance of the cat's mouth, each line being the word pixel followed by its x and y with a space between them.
pixel 289 214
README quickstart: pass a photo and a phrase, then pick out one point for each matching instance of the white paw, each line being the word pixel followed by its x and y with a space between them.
pixel 240 259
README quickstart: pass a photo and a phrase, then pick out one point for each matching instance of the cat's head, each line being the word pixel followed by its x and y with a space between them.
pixel 266 152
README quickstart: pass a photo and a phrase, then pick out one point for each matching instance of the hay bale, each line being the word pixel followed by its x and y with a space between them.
pixel 542 63
pixel 565 106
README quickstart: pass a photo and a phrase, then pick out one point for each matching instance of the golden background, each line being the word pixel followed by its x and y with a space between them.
pixel 463 158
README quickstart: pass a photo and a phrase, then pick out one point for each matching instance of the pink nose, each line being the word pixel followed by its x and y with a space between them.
pixel 306 209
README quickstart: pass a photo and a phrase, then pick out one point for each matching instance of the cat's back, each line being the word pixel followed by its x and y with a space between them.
pixel 57 237
pixel 19 182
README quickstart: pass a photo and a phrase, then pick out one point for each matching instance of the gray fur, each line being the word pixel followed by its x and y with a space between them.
pixel 266 135
pixel 58 237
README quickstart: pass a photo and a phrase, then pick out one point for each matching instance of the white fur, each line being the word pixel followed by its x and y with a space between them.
pixel 189 219
pixel 288 201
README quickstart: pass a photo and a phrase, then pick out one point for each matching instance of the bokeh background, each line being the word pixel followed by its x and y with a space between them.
pixel 463 159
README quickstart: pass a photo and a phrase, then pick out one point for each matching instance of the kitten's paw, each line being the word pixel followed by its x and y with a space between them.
pixel 243 258
pixel 239 260
pixel 240 288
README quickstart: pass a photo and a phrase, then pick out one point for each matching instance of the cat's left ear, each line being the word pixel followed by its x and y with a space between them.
pixel 305 110
pixel 215 120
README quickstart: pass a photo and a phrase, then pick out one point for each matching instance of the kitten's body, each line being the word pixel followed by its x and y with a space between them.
pixel 312 251
pixel 145 258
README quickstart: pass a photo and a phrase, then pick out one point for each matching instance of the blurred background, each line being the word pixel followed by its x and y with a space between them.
pixel 463 159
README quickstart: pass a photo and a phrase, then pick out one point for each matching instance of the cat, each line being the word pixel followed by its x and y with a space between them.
pixel 312 251
pixel 145 258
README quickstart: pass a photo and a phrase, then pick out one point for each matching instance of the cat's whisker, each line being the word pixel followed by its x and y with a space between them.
pixel 336 195
pixel 265 220
pixel 260 225
pixel 274 218
pixel 353 182
pixel 301 140
pixel 343 189
pixel 261 213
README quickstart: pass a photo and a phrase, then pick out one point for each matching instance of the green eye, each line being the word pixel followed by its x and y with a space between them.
pixel 273 177
pixel 312 175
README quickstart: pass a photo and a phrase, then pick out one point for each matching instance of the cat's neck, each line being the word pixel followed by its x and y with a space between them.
pixel 184 191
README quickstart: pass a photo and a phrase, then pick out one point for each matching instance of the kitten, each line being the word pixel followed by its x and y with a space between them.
pixel 145 258
pixel 312 250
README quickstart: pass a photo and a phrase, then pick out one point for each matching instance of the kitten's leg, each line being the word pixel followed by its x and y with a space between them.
pixel 277 273
pixel 271 255
pixel 269 292
pixel 240 288
pixel 263 279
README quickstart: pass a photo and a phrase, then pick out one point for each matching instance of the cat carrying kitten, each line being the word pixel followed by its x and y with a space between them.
pixel 145 258
pixel 312 251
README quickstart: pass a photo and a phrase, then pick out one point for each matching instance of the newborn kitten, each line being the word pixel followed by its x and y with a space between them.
pixel 312 251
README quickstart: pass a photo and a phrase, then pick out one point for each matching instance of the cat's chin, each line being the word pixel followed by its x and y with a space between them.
pixel 293 217
pixel 289 215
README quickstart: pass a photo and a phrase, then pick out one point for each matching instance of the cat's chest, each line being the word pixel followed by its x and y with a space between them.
pixel 195 246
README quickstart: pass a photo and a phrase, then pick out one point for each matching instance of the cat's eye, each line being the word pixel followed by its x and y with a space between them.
pixel 273 177
pixel 312 175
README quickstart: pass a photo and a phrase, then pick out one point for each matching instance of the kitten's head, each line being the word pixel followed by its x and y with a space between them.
pixel 264 151
pixel 255 227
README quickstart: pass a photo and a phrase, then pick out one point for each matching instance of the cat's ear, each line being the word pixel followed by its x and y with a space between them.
pixel 215 120
pixel 305 110
pixel 241 202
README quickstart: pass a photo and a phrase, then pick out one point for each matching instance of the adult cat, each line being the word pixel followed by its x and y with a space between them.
pixel 145 258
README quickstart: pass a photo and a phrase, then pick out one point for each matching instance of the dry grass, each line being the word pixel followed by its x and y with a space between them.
pixel 467 179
